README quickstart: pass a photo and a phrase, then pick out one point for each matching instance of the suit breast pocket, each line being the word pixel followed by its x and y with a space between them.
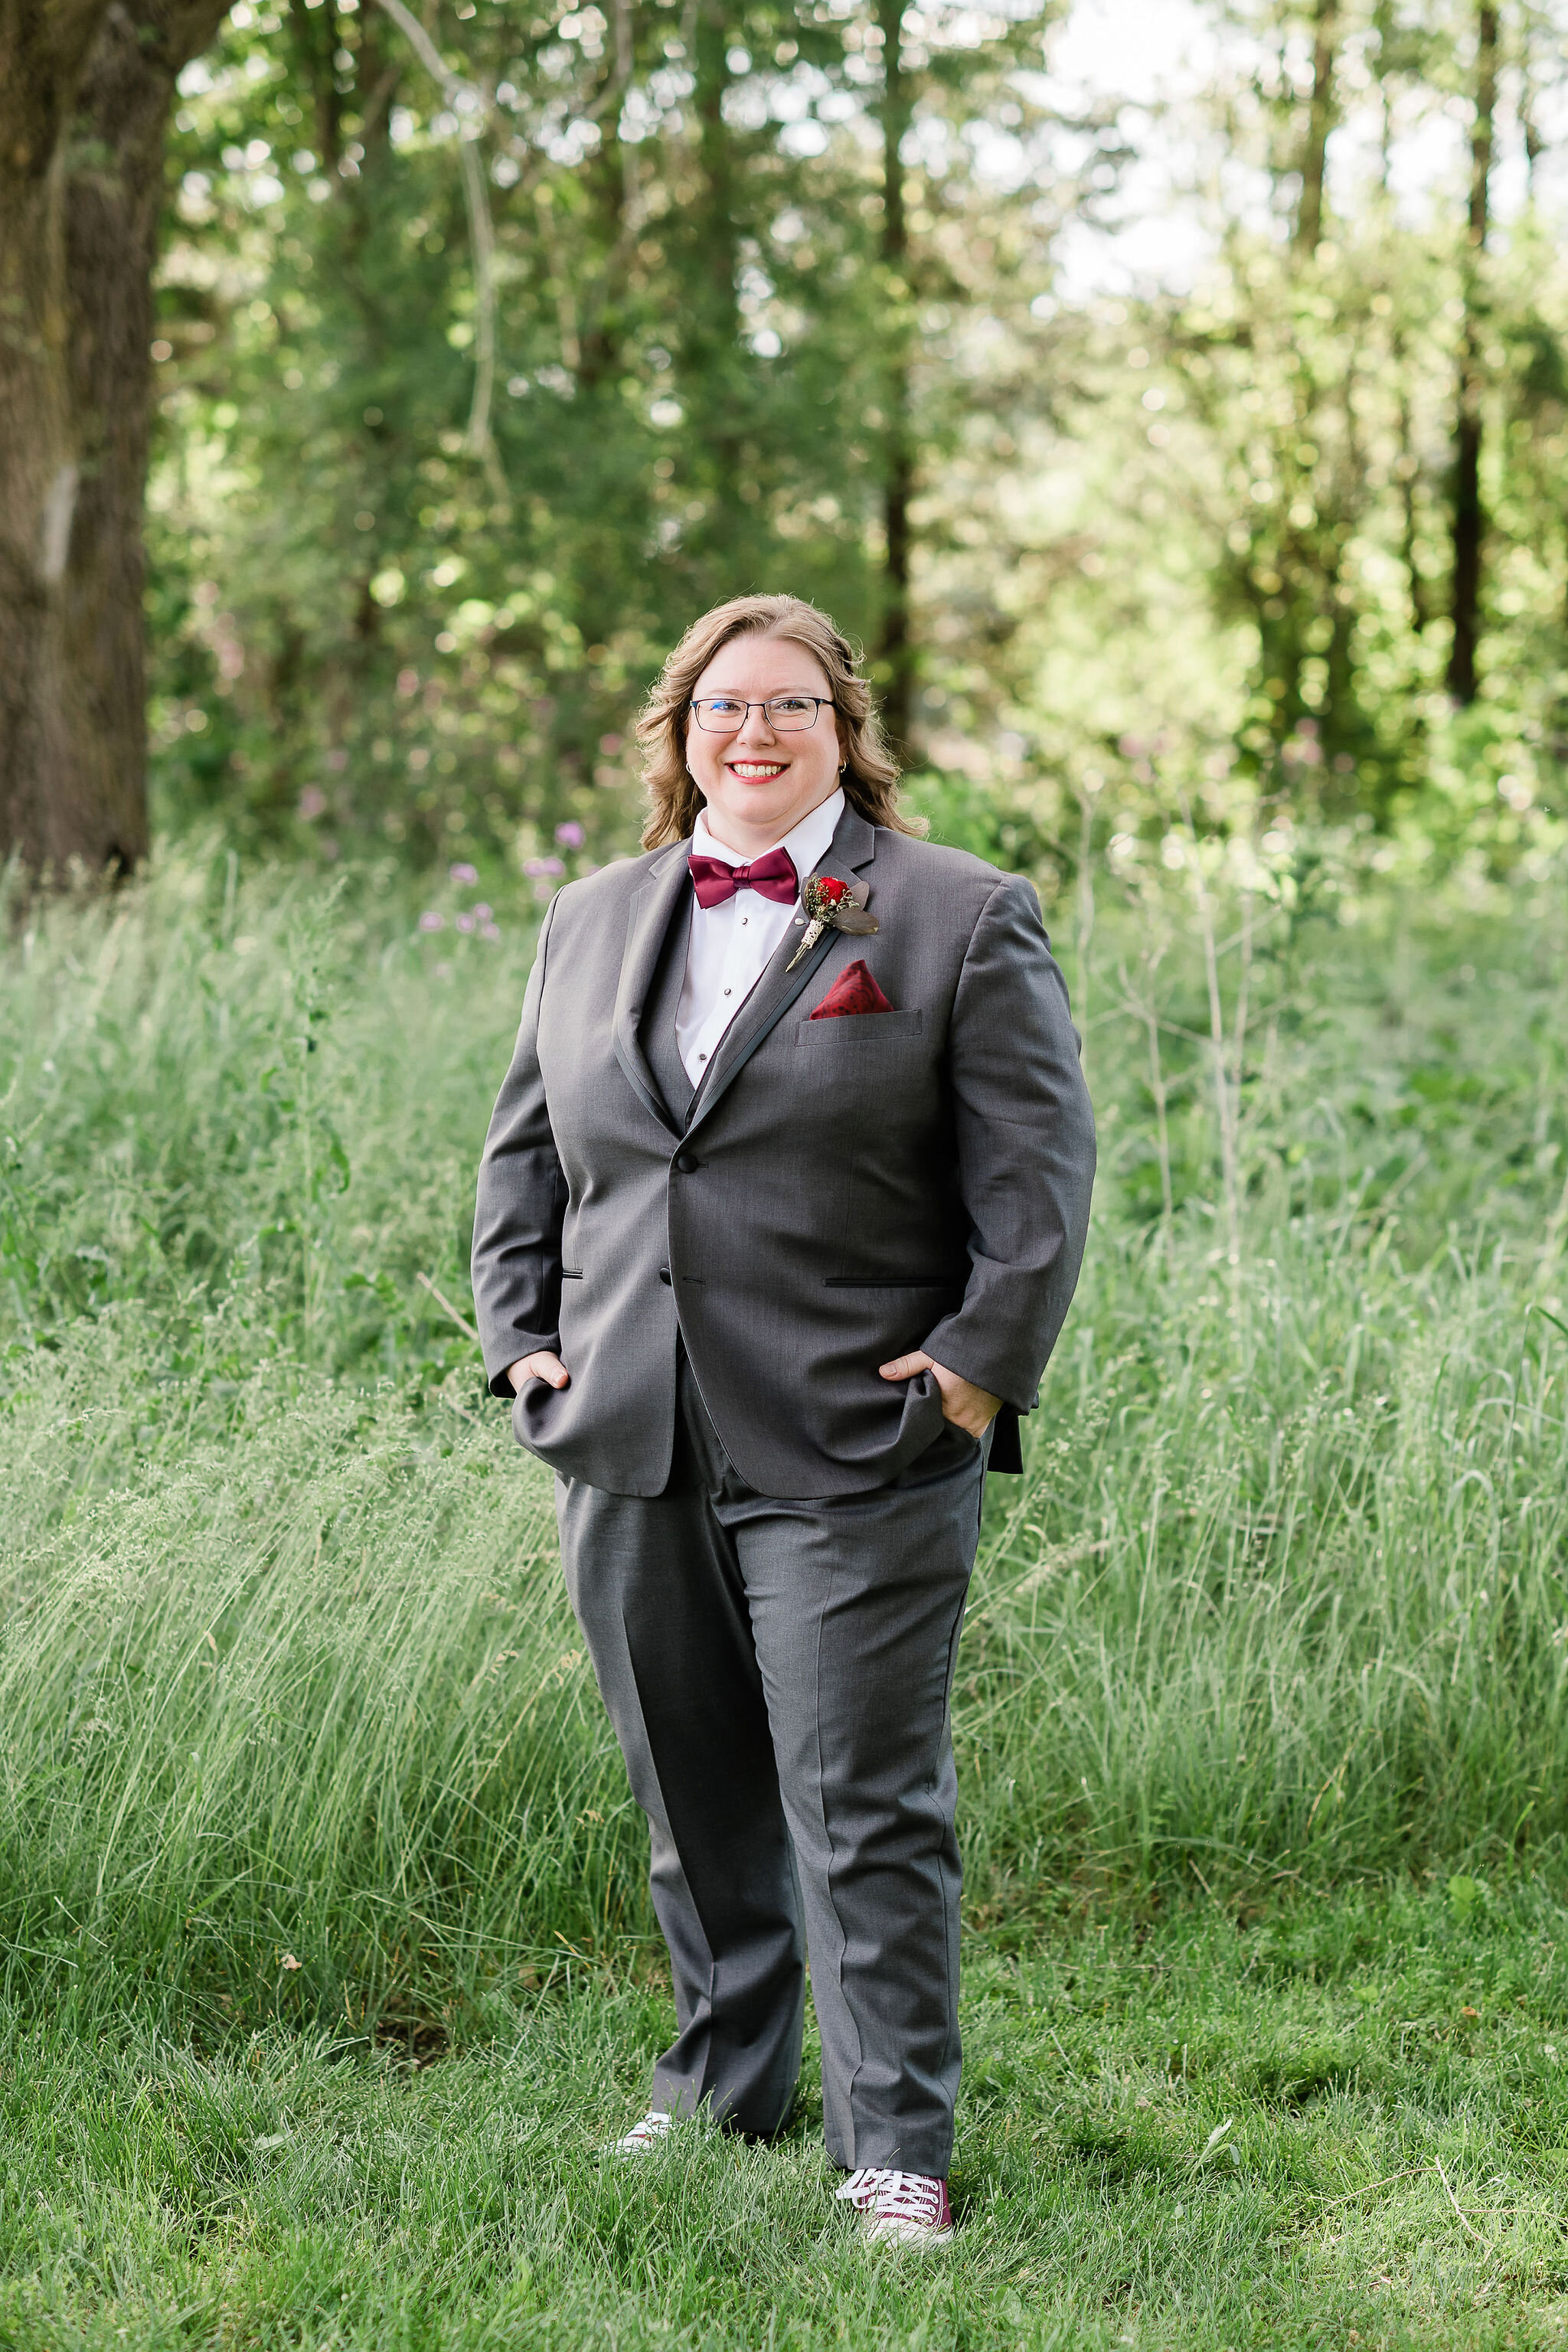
pixel 868 1071
pixel 851 1031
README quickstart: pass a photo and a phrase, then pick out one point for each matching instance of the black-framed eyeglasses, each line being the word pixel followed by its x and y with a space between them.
pixel 787 714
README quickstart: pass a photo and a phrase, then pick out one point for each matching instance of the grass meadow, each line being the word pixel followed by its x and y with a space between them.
pixel 328 1964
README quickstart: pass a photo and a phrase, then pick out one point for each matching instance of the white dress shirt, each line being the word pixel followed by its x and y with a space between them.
pixel 729 945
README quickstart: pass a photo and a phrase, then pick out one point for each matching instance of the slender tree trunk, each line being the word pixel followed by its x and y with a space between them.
pixel 1529 93
pixel 85 95
pixel 1409 480
pixel 316 36
pixel 1470 517
pixel 611 175
pixel 896 651
pixel 1409 466
pixel 714 341
pixel 1319 122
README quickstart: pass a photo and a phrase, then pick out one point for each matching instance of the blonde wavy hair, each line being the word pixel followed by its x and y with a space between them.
pixel 870 773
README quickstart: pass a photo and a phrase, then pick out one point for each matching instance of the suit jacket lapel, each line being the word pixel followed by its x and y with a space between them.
pixel 652 911
pixel 854 844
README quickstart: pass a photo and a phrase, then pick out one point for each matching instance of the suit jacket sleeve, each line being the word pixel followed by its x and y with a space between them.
pixel 1025 1151
pixel 520 1208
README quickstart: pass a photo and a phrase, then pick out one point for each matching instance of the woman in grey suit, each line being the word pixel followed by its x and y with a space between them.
pixel 779 1216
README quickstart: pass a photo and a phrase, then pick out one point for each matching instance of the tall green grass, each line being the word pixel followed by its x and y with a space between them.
pixel 296 1717
pixel 305 1701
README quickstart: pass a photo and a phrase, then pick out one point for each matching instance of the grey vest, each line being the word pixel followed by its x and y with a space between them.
pixel 659 1035
pixel 659 1018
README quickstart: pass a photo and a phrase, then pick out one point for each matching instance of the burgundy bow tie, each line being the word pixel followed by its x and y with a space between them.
pixel 773 875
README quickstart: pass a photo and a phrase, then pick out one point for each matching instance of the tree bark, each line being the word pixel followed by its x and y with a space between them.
pixel 1470 515
pixel 86 87
pixel 1319 122
pixel 1409 480
pixel 316 36
pixel 896 651
pixel 1528 97
pixel 714 337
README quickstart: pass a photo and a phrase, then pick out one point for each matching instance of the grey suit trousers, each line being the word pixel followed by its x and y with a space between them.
pixel 778 1673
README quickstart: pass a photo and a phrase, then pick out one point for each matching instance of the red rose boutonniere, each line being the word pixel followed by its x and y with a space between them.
pixel 826 902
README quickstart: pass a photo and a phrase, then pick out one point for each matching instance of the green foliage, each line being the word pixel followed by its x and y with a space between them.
pixel 1217 523
pixel 1221 520
pixel 367 624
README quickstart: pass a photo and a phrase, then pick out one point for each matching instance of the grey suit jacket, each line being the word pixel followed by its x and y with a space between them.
pixel 843 1190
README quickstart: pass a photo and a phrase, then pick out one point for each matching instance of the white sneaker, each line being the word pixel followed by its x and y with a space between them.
pixel 646 2134
pixel 901 2209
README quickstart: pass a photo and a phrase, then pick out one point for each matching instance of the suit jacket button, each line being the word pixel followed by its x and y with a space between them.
pixel 687 1163
pixel 664 1274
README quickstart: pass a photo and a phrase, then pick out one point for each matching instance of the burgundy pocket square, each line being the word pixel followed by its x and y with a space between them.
pixel 854 991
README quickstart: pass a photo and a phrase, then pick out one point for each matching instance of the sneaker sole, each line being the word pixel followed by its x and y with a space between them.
pixel 908 2235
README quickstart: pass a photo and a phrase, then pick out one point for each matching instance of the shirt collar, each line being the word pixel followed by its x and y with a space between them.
pixel 808 842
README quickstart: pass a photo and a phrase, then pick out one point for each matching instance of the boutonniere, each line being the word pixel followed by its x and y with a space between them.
pixel 828 901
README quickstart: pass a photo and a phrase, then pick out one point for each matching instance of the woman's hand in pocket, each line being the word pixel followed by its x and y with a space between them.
pixel 541 1366
pixel 962 1403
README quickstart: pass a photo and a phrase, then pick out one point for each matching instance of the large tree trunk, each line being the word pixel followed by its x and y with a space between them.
pixel 85 93
pixel 896 651
pixel 1469 516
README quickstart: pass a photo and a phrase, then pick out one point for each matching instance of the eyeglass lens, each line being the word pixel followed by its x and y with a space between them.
pixel 787 714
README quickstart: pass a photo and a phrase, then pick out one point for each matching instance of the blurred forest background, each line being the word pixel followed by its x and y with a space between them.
pixel 1173 399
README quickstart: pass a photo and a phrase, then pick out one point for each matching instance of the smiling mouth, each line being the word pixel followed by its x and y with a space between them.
pixel 756 771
